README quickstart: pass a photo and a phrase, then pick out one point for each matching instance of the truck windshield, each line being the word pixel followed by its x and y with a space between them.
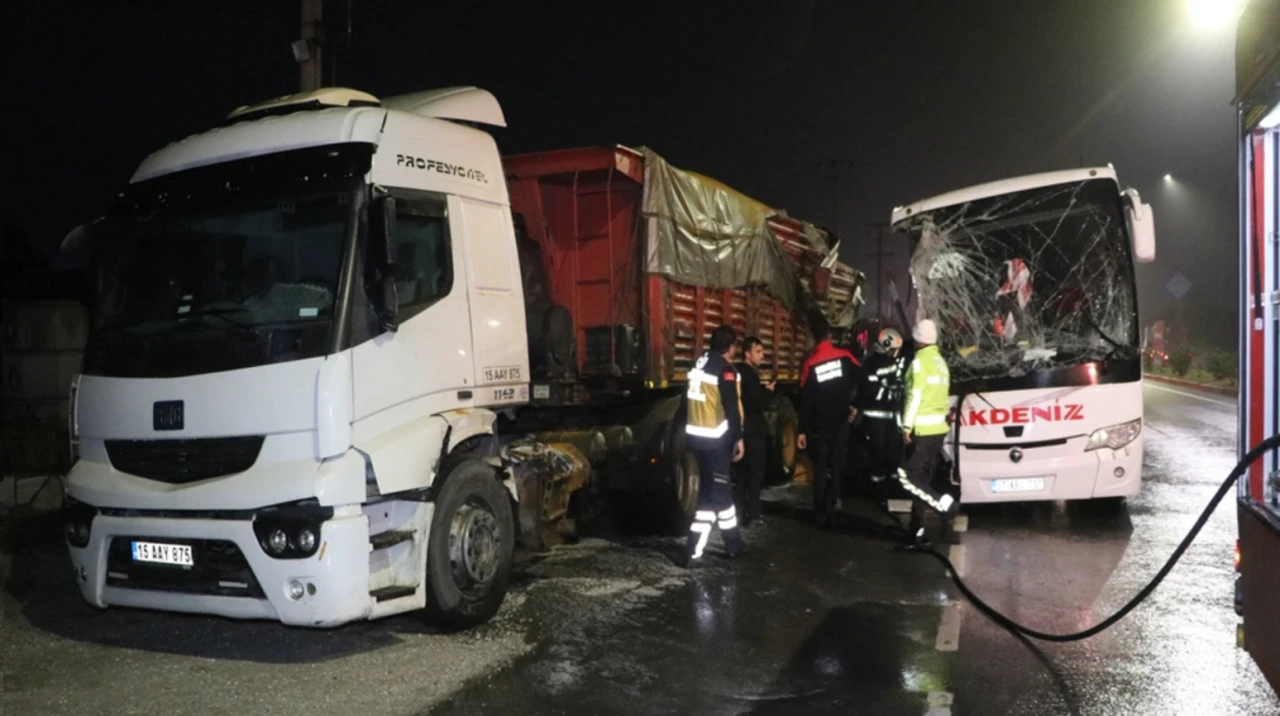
pixel 1035 279
pixel 188 291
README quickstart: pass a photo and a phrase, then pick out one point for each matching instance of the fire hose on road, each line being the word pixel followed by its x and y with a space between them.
pixel 1269 444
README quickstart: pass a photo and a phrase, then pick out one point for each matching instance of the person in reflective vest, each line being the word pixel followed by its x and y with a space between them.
pixel 880 403
pixel 713 432
pixel 925 428
pixel 828 386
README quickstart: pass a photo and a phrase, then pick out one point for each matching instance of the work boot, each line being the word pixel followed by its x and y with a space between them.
pixel 950 510
pixel 916 540
pixel 736 553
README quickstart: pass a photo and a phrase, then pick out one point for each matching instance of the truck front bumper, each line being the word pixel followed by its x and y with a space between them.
pixel 232 575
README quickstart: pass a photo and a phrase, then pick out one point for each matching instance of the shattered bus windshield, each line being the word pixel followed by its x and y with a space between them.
pixel 1035 279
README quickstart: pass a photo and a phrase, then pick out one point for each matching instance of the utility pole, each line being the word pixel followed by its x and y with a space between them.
pixel 833 170
pixel 307 51
pixel 880 231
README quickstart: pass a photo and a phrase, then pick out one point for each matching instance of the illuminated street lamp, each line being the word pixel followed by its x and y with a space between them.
pixel 1168 177
pixel 1211 14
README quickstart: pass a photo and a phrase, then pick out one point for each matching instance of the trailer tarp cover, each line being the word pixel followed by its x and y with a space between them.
pixel 700 232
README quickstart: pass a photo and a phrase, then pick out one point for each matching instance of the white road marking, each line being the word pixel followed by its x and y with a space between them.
pixel 1193 396
pixel 949 628
pixel 940 703
pixel 957 558
pixel 961 523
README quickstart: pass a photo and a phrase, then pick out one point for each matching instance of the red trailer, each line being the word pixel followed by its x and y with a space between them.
pixel 642 261
pixel 586 210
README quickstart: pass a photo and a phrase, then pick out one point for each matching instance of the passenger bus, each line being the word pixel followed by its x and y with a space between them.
pixel 1031 283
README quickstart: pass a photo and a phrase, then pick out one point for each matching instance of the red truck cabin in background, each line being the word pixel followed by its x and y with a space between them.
pixel 1258 504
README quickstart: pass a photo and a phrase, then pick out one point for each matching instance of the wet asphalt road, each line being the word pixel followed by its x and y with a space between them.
pixel 811 621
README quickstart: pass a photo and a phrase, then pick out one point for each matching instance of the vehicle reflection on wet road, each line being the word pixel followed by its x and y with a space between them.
pixel 819 622
pixel 812 621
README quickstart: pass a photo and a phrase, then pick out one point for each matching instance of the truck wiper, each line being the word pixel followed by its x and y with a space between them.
pixel 222 315
pixel 126 331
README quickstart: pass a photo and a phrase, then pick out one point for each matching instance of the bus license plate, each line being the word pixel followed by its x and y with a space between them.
pixel 179 554
pixel 1023 484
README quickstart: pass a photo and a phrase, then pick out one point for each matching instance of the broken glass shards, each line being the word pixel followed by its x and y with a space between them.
pixel 1031 279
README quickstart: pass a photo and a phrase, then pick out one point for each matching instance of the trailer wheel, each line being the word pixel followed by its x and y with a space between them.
pixel 471 545
pixel 687 489
pixel 784 453
pixel 685 478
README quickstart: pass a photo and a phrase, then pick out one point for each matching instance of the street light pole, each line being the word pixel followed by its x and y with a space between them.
pixel 833 174
pixel 310 61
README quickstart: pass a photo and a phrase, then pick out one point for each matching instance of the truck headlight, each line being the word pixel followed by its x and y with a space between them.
pixel 286 539
pixel 79 525
pixel 1115 436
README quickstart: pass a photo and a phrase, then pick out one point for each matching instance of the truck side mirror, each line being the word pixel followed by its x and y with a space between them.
pixel 382 237
pixel 389 303
pixel 1142 227
pixel 382 230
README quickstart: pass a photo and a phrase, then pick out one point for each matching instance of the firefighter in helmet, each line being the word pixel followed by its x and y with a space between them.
pixel 880 403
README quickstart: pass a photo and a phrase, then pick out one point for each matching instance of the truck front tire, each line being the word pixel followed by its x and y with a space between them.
pixel 471 545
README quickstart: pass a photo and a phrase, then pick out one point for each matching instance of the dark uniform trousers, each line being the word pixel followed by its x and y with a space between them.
pixel 750 478
pixel 884 439
pixel 715 497
pixel 916 475
pixel 828 450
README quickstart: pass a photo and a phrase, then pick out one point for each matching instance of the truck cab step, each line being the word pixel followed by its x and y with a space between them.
pixel 388 593
pixel 383 540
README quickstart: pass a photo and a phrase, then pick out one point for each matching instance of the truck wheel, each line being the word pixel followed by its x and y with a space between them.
pixel 685 478
pixel 470 550
pixel 785 455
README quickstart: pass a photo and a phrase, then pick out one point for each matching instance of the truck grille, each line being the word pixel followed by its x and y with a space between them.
pixel 220 569
pixel 182 461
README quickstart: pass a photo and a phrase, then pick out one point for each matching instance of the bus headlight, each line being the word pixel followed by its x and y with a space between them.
pixel 1115 436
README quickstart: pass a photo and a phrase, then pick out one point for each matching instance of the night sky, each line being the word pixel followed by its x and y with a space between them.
pixel 909 97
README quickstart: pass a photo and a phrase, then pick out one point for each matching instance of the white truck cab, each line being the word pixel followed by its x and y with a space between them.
pixel 1031 283
pixel 306 320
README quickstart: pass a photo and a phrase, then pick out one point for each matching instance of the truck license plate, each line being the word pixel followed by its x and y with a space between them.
pixel 1023 484
pixel 179 554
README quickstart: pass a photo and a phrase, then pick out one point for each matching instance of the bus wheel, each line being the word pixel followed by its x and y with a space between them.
pixel 470 550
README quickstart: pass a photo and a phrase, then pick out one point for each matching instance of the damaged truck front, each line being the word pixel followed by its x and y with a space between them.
pixel 342 354
pixel 1031 283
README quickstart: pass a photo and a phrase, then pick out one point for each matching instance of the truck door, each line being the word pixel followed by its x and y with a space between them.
pixel 499 338
pixel 425 366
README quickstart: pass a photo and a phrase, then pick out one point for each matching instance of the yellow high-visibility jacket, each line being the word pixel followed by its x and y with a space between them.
pixel 714 409
pixel 928 394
